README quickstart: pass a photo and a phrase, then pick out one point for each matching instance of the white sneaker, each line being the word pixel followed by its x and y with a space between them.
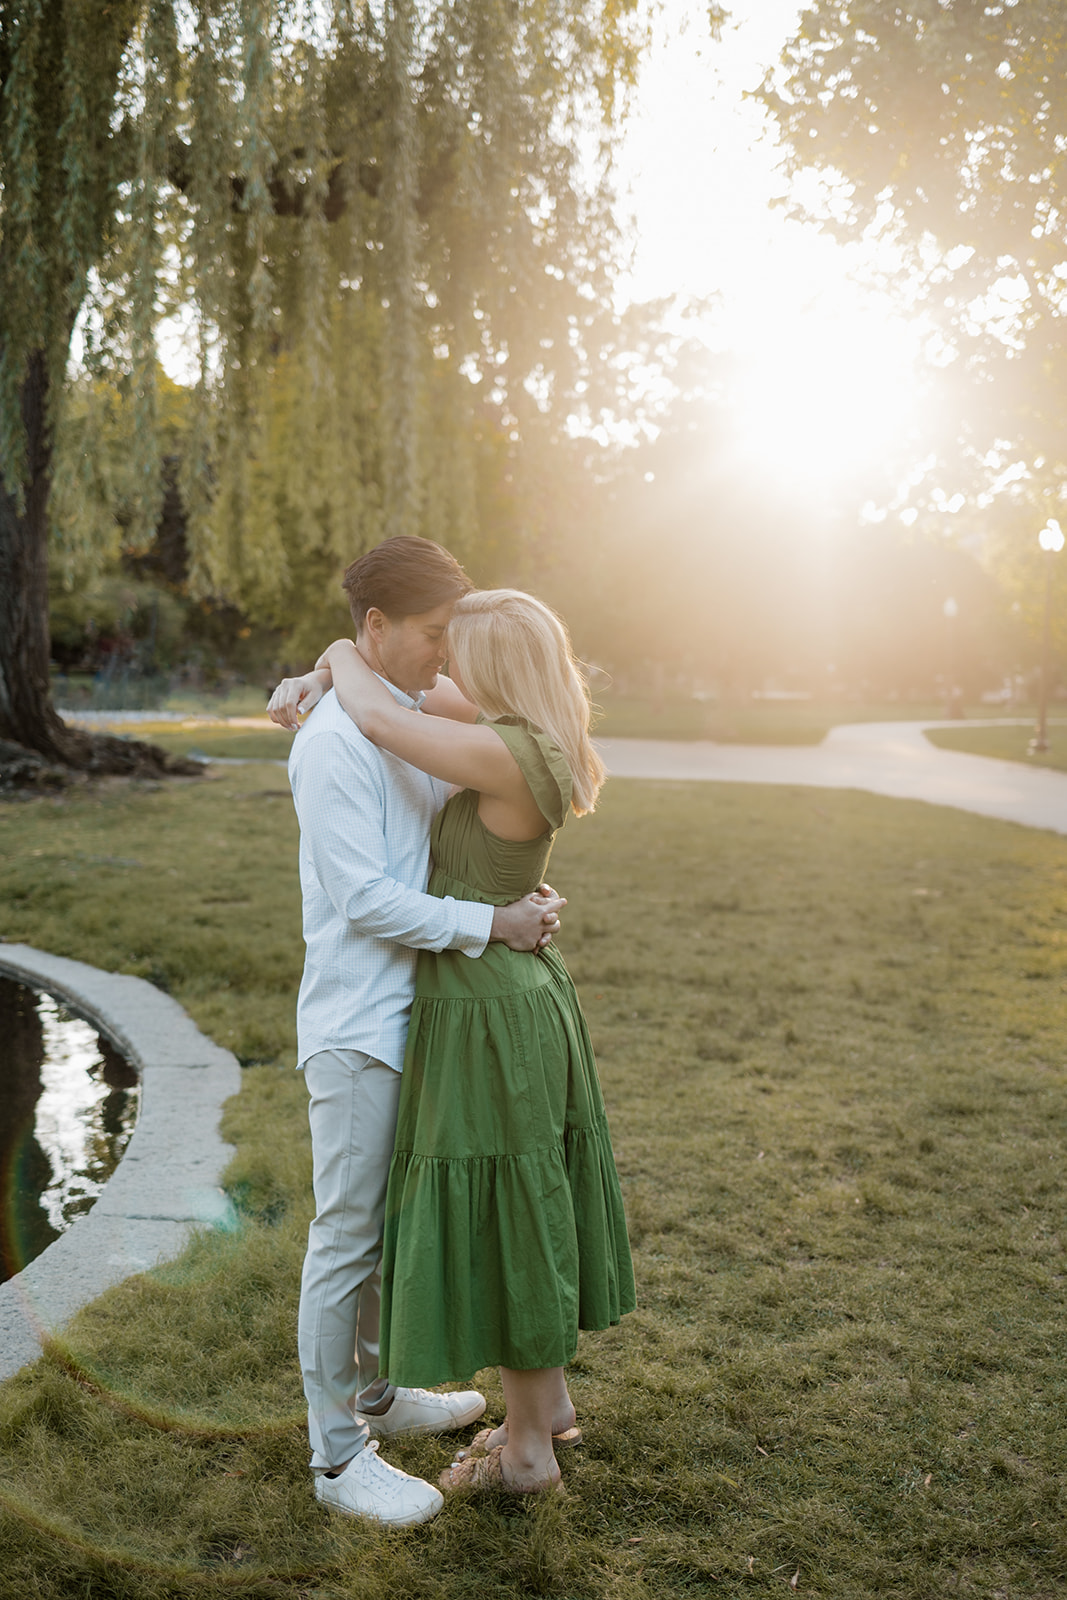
pixel 423 1411
pixel 370 1487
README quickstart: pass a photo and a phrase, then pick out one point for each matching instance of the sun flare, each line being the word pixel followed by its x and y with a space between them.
pixel 826 396
pixel 823 380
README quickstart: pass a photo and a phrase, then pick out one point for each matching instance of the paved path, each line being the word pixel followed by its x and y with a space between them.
pixel 889 758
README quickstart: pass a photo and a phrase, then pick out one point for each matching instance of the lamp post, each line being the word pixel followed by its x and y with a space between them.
pixel 1051 541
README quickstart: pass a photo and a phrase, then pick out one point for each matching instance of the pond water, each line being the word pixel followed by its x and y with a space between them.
pixel 70 1104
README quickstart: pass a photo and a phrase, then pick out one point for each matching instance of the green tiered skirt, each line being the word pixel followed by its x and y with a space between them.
pixel 505 1230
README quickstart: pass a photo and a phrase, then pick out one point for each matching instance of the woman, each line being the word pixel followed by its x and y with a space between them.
pixel 504 1228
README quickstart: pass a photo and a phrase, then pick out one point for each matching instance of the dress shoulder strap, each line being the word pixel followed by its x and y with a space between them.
pixel 541 763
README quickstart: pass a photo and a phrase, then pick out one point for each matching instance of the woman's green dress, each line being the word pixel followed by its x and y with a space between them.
pixel 504 1230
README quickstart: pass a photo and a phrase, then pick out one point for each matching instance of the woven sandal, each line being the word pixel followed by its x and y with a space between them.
pixel 485 1475
pixel 479 1445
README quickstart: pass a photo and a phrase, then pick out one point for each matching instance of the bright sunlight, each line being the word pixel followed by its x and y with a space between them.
pixel 822 376
pixel 822 398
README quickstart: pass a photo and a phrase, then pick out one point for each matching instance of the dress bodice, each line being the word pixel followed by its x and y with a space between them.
pixel 470 862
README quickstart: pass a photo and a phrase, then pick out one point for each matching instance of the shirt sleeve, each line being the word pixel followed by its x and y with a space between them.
pixel 340 805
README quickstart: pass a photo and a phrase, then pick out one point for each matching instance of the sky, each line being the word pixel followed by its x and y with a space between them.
pixel 697 164
pixel 828 373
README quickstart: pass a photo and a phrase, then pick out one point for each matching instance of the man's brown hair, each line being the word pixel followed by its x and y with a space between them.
pixel 403 577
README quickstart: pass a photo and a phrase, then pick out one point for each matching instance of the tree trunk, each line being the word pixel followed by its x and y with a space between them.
pixel 35 744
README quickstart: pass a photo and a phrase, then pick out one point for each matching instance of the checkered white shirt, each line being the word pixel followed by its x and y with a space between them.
pixel 365 820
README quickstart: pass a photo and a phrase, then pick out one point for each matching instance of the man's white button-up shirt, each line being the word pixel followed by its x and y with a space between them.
pixel 365 819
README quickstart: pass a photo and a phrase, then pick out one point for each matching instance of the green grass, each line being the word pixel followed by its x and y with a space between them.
pixel 81 691
pixel 1006 744
pixel 753 722
pixel 212 739
pixel 748 722
pixel 247 700
pixel 830 1030
pixel 178 883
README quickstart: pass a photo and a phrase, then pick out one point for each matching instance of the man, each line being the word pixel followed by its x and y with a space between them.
pixel 365 819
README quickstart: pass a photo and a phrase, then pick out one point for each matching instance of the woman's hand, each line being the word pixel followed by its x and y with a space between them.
pixel 552 904
pixel 529 923
pixel 294 697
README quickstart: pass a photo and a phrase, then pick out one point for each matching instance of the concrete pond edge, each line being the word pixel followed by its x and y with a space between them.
pixel 168 1179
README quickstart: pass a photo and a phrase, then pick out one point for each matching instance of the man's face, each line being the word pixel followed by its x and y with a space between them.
pixel 410 651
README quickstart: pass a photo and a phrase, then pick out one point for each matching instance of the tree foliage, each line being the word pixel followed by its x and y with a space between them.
pixel 942 127
pixel 373 226
pixel 939 129
pixel 703 574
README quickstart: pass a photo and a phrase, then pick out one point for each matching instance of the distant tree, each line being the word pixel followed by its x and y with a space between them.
pixel 939 130
pixel 364 217
pixel 699 574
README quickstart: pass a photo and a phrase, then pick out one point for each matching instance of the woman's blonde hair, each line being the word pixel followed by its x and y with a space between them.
pixel 515 658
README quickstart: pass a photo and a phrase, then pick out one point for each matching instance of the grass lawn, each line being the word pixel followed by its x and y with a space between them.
pixel 831 1038
pixel 247 700
pixel 216 739
pixel 749 722
pixel 1007 744
pixel 754 722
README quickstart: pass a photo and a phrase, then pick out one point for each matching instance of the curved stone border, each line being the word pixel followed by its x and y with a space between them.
pixel 168 1178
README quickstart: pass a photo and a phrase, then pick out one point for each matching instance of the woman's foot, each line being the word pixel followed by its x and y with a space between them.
pixel 563 1438
pixel 489 1473
pixel 488 1439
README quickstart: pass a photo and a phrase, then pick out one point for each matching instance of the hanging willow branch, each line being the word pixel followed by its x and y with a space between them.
pixel 371 222
pixel 297 199
pixel 400 253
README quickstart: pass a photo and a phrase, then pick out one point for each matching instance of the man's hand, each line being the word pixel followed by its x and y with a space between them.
pixel 529 923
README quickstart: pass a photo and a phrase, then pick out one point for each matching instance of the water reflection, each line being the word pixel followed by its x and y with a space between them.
pixel 70 1104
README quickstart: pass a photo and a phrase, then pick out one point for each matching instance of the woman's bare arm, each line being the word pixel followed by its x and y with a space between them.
pixel 446 700
pixel 294 698
pixel 474 757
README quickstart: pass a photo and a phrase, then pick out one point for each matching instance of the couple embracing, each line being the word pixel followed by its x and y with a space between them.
pixel 468 1212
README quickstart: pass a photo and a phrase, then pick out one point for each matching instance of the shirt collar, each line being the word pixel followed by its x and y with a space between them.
pixel 413 702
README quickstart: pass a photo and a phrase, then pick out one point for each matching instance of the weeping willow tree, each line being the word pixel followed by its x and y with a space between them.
pixel 353 220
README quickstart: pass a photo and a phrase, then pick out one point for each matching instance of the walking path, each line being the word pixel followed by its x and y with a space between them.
pixel 888 758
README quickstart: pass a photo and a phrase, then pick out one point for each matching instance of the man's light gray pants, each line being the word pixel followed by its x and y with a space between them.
pixel 352 1111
